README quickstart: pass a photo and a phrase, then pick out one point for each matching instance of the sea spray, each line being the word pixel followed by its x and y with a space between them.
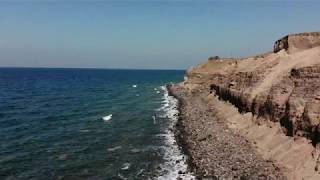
pixel 175 164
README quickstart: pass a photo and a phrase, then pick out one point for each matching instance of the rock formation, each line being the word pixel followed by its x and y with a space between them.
pixel 255 117
pixel 283 86
pixel 297 42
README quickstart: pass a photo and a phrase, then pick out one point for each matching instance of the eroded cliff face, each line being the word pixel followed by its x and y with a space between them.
pixel 297 42
pixel 282 87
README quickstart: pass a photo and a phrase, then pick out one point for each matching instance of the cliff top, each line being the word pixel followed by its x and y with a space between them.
pixel 297 42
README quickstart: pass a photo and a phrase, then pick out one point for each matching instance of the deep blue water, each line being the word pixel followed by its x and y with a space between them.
pixel 51 123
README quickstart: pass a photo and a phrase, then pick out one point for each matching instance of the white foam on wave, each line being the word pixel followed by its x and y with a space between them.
pixel 154 119
pixel 107 118
pixel 114 148
pixel 175 160
pixel 125 166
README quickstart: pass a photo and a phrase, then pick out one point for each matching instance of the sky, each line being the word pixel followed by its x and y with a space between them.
pixel 144 34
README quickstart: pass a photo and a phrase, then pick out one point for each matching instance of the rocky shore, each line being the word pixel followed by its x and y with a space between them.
pixel 215 151
pixel 256 117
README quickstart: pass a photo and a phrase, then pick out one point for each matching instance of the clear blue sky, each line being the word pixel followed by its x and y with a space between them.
pixel 144 34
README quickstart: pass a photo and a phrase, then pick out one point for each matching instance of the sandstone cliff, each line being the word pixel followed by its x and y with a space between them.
pixel 297 42
pixel 283 86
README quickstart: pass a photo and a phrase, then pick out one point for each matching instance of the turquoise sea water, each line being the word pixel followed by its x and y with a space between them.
pixel 51 124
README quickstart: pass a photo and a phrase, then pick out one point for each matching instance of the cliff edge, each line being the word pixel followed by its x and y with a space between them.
pixel 297 42
pixel 280 88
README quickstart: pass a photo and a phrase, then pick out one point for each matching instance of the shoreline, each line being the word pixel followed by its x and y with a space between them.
pixel 176 166
pixel 207 161
pixel 179 132
pixel 255 117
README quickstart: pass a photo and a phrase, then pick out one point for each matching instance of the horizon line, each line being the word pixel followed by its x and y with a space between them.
pixel 84 68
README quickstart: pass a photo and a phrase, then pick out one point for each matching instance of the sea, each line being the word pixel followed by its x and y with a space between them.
pixel 58 123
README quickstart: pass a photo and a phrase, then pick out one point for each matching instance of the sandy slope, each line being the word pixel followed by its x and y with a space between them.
pixel 296 157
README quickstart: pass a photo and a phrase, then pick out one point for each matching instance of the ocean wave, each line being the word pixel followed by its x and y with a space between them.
pixel 175 165
pixel 126 166
pixel 114 148
pixel 107 118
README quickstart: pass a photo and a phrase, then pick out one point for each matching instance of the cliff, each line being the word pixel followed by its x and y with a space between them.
pixel 297 42
pixel 271 100
pixel 281 87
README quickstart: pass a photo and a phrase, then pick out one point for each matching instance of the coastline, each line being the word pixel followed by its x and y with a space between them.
pixel 179 131
pixel 216 154
pixel 176 166
pixel 254 117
